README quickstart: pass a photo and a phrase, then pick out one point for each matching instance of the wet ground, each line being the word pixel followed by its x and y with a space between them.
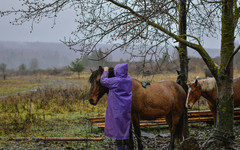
pixel 151 141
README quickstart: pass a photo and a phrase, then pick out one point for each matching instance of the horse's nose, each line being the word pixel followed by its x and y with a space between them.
pixel 91 101
pixel 189 106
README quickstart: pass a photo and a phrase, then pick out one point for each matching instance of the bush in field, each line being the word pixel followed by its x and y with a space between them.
pixel 77 66
pixel 20 112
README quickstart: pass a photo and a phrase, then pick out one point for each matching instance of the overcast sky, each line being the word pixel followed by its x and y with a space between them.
pixel 44 33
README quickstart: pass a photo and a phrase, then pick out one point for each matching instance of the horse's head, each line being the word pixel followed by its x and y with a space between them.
pixel 194 93
pixel 96 89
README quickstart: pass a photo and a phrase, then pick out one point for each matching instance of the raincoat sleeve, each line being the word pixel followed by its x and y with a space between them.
pixel 108 82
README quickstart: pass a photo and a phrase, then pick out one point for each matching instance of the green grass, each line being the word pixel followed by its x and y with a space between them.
pixel 59 111
pixel 65 125
pixel 55 112
pixel 14 86
pixel 51 113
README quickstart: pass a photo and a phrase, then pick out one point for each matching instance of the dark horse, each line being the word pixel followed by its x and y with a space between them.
pixel 165 98
pixel 208 89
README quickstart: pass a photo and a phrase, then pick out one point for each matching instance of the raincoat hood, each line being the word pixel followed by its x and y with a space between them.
pixel 121 70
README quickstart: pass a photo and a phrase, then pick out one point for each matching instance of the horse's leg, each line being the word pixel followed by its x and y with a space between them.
pixel 171 127
pixel 177 127
pixel 172 138
pixel 131 142
pixel 214 112
pixel 136 125
pixel 213 109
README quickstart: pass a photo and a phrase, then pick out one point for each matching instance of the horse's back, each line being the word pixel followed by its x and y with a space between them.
pixel 174 88
pixel 165 89
pixel 158 98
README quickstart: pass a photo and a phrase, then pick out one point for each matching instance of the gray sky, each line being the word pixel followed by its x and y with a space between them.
pixel 44 33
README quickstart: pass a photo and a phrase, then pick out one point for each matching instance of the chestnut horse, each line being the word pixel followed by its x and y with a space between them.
pixel 208 89
pixel 165 98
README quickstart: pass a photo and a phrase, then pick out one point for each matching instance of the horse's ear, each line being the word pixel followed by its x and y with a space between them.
pixel 100 69
pixel 196 82
pixel 178 72
pixel 91 70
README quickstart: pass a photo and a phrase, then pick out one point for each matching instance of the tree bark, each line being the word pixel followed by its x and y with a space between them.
pixel 223 134
pixel 225 104
pixel 183 57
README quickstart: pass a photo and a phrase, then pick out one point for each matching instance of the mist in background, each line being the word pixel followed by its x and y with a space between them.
pixel 19 45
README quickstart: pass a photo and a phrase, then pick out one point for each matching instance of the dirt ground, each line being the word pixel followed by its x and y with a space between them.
pixel 201 132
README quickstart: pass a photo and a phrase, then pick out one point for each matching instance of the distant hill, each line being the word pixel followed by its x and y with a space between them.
pixel 54 55
pixel 48 55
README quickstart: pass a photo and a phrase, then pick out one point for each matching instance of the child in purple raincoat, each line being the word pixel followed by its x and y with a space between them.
pixel 118 113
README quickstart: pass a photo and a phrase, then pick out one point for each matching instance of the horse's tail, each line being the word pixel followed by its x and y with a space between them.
pixel 182 126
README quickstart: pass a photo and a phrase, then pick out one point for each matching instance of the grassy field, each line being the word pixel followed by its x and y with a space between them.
pixel 58 108
pixel 53 107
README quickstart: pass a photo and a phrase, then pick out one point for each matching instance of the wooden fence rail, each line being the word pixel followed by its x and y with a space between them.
pixel 50 139
pixel 193 117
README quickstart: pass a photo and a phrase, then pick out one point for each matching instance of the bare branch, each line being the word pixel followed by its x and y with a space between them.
pixel 232 56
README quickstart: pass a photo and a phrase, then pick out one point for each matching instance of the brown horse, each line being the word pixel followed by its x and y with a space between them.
pixel 208 89
pixel 165 98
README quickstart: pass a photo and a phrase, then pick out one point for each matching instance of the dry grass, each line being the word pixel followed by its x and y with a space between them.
pixel 166 76
pixel 20 113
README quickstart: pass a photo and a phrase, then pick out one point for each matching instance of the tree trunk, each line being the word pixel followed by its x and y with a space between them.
pixel 225 107
pixel 223 134
pixel 225 104
pixel 183 57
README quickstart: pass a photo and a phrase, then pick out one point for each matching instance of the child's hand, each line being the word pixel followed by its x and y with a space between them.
pixel 105 68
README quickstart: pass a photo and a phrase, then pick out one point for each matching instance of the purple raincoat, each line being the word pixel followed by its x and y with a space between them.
pixel 118 113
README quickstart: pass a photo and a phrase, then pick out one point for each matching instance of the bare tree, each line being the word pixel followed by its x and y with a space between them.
pixel 3 68
pixel 33 64
pixel 22 69
pixel 140 27
pixel 183 56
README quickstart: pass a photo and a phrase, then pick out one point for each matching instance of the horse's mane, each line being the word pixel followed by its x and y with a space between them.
pixel 207 84
pixel 93 76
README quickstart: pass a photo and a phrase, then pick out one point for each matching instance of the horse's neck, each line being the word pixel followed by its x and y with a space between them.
pixel 210 96
pixel 208 89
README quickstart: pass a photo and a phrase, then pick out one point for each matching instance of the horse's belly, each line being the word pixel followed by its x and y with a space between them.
pixel 236 102
pixel 149 113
